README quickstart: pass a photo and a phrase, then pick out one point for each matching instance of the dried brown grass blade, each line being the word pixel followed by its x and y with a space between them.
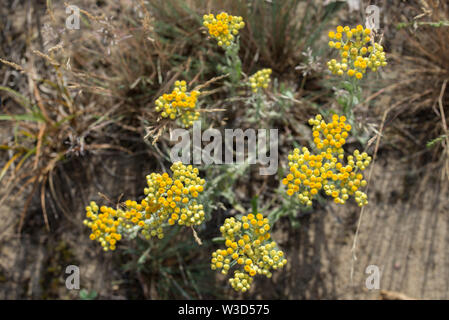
pixel 43 204
pixel 39 145
pixel 195 236
pixel 443 120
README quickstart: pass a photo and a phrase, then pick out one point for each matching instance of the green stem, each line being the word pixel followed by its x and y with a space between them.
pixel 348 107
pixel 234 64
pixel 258 106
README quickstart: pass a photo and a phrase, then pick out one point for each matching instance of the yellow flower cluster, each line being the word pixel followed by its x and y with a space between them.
pixel 104 225
pixel 137 217
pixel 174 198
pixel 357 50
pixel 261 79
pixel 168 200
pixel 310 173
pixel 223 27
pixel 248 245
pixel 179 104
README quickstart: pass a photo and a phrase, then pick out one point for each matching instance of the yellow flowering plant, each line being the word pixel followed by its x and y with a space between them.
pixel 261 79
pixel 179 104
pixel 258 104
pixel 174 199
pixel 324 168
pixel 223 27
pixel 358 53
pixel 249 249
pixel 168 201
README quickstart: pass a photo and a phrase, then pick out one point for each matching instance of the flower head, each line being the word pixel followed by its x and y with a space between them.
pixel 261 79
pixel 325 170
pixel 223 27
pixel 168 201
pixel 104 224
pixel 249 247
pixel 179 104
pixel 358 52
pixel 173 199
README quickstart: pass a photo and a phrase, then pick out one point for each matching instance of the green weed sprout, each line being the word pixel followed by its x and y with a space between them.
pixel 168 201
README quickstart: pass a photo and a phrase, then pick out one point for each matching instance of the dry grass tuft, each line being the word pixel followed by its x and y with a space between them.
pixel 418 121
